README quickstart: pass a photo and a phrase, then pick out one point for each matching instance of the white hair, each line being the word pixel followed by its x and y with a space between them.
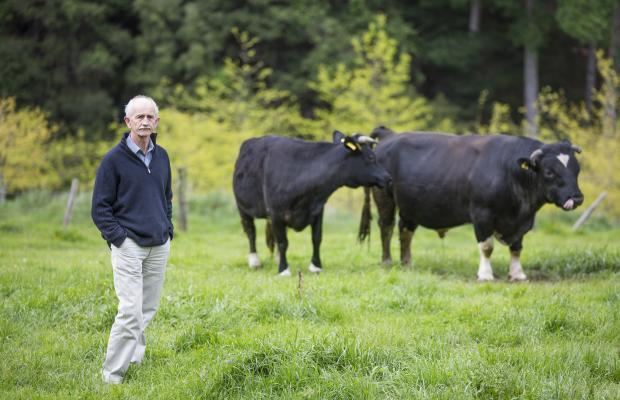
pixel 130 106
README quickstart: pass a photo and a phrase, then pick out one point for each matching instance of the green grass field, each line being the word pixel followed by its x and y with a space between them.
pixel 357 331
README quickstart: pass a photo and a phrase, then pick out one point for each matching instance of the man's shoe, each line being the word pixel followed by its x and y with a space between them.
pixel 111 380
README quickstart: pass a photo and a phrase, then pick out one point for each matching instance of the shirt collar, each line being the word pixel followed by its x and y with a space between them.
pixel 134 147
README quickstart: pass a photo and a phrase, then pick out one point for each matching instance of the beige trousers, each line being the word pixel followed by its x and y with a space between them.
pixel 138 280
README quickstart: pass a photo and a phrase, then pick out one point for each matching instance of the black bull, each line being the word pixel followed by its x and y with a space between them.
pixel 289 180
pixel 497 183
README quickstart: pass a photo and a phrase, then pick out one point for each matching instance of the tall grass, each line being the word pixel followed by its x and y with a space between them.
pixel 356 331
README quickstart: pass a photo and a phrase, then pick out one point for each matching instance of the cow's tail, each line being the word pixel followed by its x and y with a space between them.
pixel 269 236
pixel 364 230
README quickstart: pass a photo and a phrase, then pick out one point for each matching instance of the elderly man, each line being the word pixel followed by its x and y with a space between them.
pixel 132 207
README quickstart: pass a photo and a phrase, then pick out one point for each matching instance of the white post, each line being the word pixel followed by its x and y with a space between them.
pixel 70 202
pixel 586 214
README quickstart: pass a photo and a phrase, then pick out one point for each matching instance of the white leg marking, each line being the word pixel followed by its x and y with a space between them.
pixel 485 272
pixel 286 272
pixel 314 269
pixel 516 273
pixel 564 159
pixel 253 260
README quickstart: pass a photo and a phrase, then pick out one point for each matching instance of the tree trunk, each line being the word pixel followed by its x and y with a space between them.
pixel 590 76
pixel 530 79
pixel 614 39
pixel 474 15
pixel 610 92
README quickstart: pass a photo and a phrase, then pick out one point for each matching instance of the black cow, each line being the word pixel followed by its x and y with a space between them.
pixel 497 183
pixel 289 180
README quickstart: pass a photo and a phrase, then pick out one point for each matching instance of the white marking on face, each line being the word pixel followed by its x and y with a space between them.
pixel 564 159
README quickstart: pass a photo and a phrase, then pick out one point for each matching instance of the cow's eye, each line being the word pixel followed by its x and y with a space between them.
pixel 549 174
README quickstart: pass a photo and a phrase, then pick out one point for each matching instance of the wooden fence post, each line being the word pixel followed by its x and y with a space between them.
pixel 586 214
pixel 182 199
pixel 70 202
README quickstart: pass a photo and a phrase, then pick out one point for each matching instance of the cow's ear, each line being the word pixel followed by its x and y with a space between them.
pixel 337 136
pixel 526 164
pixel 350 144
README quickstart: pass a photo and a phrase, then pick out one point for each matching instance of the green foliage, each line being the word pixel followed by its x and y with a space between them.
pixel 409 65
pixel 67 57
pixel 24 136
pixel 374 90
pixel 593 132
pixel 585 20
pixel 528 29
pixel 241 97
pixel 77 157
pixel 500 120
pixel 204 147
pixel 223 111
pixel 31 156
pixel 80 61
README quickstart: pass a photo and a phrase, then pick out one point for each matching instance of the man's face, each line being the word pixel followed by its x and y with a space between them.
pixel 143 121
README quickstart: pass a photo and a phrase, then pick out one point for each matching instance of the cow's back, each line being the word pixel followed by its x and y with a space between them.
pixel 437 177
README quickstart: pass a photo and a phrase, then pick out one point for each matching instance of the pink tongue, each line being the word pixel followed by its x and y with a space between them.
pixel 569 204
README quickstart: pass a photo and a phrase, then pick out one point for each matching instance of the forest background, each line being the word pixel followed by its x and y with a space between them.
pixel 224 71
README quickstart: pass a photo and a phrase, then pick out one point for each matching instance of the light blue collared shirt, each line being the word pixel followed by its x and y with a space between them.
pixel 146 158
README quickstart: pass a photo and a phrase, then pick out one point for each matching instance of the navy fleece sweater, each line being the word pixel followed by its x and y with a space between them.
pixel 131 200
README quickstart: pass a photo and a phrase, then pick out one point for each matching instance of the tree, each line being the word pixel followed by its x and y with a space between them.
pixel 588 22
pixel 23 139
pixel 474 15
pixel 374 91
pixel 600 163
pixel 223 111
pixel 66 57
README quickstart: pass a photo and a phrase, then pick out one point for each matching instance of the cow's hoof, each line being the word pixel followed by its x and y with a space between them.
pixel 517 278
pixel 253 261
pixel 387 262
pixel 314 269
pixel 485 278
pixel 286 272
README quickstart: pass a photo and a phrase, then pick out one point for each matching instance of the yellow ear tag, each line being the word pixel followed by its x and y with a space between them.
pixel 351 145
pixel 524 165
